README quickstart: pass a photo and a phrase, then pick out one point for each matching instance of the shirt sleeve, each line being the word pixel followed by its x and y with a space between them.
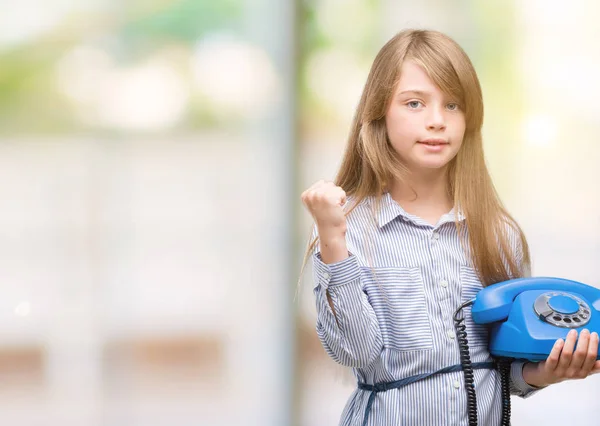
pixel 518 385
pixel 351 336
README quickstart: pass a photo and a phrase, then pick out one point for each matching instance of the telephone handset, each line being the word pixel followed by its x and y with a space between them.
pixel 528 315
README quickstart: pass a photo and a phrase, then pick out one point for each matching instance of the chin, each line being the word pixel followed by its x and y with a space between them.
pixel 432 165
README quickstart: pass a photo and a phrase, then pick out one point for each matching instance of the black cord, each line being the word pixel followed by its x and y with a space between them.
pixel 465 360
pixel 504 368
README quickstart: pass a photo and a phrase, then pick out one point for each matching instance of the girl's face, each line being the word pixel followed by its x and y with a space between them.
pixel 425 127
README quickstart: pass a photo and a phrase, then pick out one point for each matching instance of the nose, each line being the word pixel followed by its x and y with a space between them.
pixel 436 119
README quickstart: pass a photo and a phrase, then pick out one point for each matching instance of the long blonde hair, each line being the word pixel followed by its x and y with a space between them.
pixel 370 164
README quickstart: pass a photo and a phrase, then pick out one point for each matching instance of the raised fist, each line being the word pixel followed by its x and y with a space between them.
pixel 325 201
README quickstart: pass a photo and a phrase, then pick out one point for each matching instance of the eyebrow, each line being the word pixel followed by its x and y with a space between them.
pixel 423 94
pixel 415 92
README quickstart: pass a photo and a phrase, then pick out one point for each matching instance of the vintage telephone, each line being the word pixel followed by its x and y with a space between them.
pixel 525 316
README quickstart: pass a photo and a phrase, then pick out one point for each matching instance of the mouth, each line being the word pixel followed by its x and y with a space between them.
pixel 433 142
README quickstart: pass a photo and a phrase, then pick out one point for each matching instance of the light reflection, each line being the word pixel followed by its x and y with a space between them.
pixel 235 77
pixel 540 130
pixel 148 96
pixel 337 90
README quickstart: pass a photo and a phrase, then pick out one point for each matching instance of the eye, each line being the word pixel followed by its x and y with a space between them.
pixel 414 104
pixel 452 106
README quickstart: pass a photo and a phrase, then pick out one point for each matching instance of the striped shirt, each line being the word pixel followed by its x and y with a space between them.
pixel 394 298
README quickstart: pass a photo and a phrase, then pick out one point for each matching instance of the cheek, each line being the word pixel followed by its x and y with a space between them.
pixel 400 128
pixel 460 127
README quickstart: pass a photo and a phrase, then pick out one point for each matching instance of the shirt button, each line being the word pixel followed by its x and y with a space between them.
pixel 451 334
pixel 436 236
pixel 444 283
pixel 456 384
pixel 326 275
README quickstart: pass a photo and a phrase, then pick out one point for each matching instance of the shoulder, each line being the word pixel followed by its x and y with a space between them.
pixel 361 215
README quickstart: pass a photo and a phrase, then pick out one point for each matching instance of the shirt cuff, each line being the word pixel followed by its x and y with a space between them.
pixel 336 274
pixel 516 375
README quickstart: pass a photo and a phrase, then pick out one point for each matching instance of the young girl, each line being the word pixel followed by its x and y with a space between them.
pixel 411 228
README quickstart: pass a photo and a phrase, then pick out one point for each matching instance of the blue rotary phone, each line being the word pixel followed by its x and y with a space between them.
pixel 528 315
pixel 525 316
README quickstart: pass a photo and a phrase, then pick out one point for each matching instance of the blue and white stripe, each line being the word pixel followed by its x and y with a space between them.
pixel 394 299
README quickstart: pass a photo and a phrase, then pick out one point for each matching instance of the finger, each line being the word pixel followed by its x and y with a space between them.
pixel 310 189
pixel 581 351
pixel 596 367
pixel 552 361
pixel 592 353
pixel 316 185
pixel 342 194
pixel 567 352
pixel 336 197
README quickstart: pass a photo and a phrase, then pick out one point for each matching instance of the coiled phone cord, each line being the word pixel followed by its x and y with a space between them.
pixel 504 369
pixel 465 360
pixel 467 367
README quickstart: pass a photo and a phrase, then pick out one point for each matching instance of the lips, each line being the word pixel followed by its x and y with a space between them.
pixel 433 142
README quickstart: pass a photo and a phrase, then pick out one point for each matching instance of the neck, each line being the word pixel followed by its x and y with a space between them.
pixel 424 190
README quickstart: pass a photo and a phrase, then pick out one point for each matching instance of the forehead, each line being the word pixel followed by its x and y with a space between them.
pixel 414 77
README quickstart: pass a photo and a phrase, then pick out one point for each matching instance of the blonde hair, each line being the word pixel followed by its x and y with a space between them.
pixel 369 163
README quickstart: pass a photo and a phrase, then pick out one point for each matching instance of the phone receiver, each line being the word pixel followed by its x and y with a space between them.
pixel 528 315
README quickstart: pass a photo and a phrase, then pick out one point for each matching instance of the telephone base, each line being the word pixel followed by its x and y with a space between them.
pixel 520 356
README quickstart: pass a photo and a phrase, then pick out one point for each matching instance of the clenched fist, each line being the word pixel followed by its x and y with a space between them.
pixel 325 201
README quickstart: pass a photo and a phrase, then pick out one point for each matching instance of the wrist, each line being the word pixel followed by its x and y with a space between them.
pixel 533 376
pixel 332 235
pixel 333 248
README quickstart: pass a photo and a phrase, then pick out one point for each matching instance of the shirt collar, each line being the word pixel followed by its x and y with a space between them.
pixel 389 210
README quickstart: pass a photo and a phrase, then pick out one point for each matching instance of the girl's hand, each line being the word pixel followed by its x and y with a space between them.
pixel 565 362
pixel 324 201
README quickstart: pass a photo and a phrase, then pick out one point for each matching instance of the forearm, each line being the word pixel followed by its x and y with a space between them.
pixel 346 323
pixel 333 250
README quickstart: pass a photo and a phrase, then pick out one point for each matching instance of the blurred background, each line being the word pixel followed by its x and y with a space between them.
pixel 152 156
